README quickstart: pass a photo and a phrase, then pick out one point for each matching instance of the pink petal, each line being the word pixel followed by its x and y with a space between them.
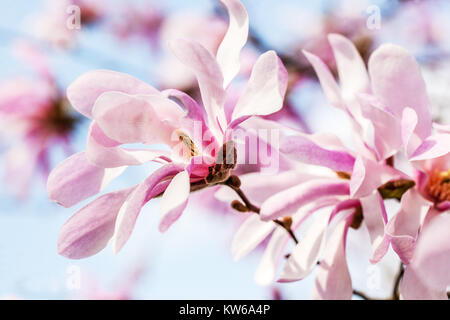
pixel 131 208
pixel 433 147
pixel 408 124
pixel 251 233
pixel 83 92
pixel 210 80
pixel 104 152
pixel 133 119
pixel 375 219
pixel 290 200
pixel 431 260
pixel 404 226
pixel 351 68
pixel 174 200
pixel 329 85
pixel 267 268
pixel 89 230
pixel 412 287
pixel 309 149
pixel 194 111
pixel 368 175
pixel 265 274
pixel 386 128
pixel 264 93
pixel 228 54
pixel 397 81
pixel 305 255
pixel 333 280
pixel 76 179
pixel 195 121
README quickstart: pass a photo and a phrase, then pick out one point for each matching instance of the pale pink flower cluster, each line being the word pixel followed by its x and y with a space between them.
pixel 35 118
pixel 321 183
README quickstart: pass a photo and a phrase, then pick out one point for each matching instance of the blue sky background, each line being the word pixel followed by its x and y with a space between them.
pixel 193 259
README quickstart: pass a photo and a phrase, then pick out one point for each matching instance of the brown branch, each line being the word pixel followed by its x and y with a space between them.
pixel 361 295
pixel 251 207
pixel 395 290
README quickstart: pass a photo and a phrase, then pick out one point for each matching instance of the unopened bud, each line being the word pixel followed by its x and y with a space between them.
pixel 237 205
pixel 343 175
pixel 287 221
pixel 234 181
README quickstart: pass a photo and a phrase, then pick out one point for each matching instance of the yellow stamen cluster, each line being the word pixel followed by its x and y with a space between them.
pixel 438 185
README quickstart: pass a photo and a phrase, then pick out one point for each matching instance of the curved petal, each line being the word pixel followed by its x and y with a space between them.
pixel 290 200
pixel 106 153
pixel 397 81
pixel 76 179
pixel 368 175
pixel 386 138
pixel 412 287
pixel 375 218
pixel 251 233
pixel 351 68
pixel 433 147
pixel 83 92
pixel 329 85
pixel 431 258
pixel 174 200
pixel 131 208
pixel 89 230
pixel 308 149
pixel 333 280
pixel 408 124
pixel 305 255
pixel 228 54
pixel 131 119
pixel 209 77
pixel 265 90
pixel 403 228
pixel 267 268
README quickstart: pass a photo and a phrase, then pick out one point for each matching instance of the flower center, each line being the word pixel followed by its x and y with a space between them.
pixel 438 185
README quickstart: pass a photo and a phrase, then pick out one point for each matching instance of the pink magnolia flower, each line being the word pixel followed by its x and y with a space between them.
pixel 364 178
pixel 35 119
pixel 125 110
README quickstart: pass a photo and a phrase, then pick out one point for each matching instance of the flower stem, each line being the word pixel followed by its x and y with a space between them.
pixel 251 207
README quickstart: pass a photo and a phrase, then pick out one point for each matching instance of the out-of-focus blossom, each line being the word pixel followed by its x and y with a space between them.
pixel 59 23
pixel 125 110
pixel 35 119
pixel 91 289
pixel 142 22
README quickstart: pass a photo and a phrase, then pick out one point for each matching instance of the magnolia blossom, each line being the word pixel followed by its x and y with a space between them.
pixel 141 21
pixel 60 22
pixel 92 289
pixel 35 117
pixel 384 105
pixel 126 110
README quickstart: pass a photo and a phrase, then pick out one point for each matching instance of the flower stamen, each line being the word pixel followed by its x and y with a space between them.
pixel 438 185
